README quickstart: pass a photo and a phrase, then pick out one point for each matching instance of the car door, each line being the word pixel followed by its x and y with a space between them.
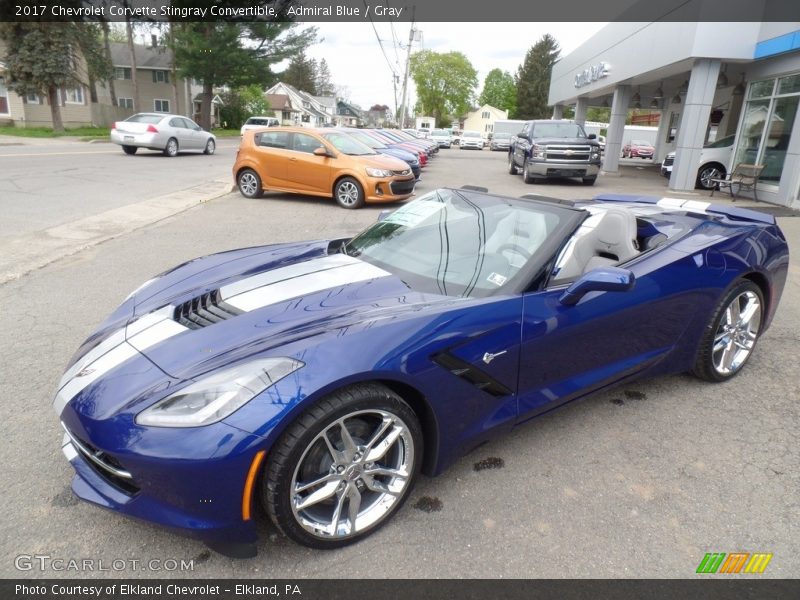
pixel 180 133
pixel 569 351
pixel 305 170
pixel 272 153
pixel 196 134
pixel 523 144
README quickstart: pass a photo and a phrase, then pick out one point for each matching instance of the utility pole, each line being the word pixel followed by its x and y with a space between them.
pixel 394 82
pixel 403 109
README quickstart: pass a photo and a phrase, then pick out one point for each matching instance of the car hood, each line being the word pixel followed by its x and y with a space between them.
pixel 273 301
pixel 383 161
pixel 552 140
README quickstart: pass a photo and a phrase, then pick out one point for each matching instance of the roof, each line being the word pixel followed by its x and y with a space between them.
pixel 280 102
pixel 147 57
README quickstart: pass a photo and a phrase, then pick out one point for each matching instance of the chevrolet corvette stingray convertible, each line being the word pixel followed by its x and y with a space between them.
pixel 318 379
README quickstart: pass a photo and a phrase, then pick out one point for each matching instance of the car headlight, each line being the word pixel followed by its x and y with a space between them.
pixel 378 172
pixel 216 396
pixel 539 151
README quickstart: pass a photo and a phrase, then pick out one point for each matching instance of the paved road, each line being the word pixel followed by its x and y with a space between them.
pixel 637 482
pixel 48 184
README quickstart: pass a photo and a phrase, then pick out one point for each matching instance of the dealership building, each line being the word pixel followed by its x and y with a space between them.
pixel 708 80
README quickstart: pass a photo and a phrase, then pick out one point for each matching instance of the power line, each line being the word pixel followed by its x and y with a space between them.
pixel 380 43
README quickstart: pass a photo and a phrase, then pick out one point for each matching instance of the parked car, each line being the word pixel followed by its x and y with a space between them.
pixel 413 146
pixel 441 137
pixel 554 149
pixel 406 156
pixel 258 122
pixel 638 149
pixel 429 146
pixel 500 141
pixel 166 133
pixel 715 160
pixel 319 162
pixel 319 378
pixel 471 139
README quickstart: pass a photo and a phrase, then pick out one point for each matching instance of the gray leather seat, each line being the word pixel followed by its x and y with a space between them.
pixel 611 241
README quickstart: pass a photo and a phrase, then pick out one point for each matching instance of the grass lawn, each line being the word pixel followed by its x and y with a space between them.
pixel 47 132
pixel 224 133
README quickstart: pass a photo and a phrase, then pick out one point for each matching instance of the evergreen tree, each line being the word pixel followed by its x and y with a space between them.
pixel 324 83
pixel 301 73
pixel 533 79
pixel 500 91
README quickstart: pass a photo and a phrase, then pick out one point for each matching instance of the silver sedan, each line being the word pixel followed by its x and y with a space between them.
pixel 166 133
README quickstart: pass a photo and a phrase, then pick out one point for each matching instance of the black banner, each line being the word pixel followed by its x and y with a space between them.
pixel 476 11
pixel 732 588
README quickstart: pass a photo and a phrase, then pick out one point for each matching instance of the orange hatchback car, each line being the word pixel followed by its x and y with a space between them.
pixel 319 162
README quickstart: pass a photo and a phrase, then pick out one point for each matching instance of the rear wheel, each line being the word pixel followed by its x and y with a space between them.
pixel 129 149
pixel 249 183
pixel 348 193
pixel 171 149
pixel 344 467
pixel 731 334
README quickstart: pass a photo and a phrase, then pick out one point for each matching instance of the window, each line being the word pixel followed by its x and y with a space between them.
pixel 160 76
pixel 32 99
pixel 161 105
pixel 486 115
pixel 125 102
pixel 122 73
pixel 73 96
pixel 3 97
pixel 305 118
pixel 272 139
pixel 305 143
pixel 177 122
pixel 767 123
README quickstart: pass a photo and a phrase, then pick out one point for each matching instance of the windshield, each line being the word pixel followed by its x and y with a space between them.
pixel 498 136
pixel 347 144
pixel 470 134
pixel 457 244
pixel 558 130
pixel 440 132
pixel 640 143
pixel 145 118
pixel 367 140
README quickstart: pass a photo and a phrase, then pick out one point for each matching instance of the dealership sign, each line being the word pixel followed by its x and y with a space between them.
pixel 591 74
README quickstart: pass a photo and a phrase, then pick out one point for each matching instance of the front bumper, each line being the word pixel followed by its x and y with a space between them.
pixel 476 145
pixel 563 169
pixel 390 189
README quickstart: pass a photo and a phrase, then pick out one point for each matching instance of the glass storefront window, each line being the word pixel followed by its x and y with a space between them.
pixel 761 89
pixel 766 129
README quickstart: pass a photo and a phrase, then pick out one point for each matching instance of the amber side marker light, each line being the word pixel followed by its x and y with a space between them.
pixel 247 496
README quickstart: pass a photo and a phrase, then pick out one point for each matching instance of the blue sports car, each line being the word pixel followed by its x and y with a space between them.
pixel 318 379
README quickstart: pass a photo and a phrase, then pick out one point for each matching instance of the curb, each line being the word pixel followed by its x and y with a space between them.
pixel 33 251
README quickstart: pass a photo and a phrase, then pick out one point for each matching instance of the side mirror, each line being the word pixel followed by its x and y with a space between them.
pixel 592 136
pixel 604 279
pixel 321 151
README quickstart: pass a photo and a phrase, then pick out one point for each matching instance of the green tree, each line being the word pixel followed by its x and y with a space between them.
pixel 301 73
pixel 89 37
pixel 41 58
pixel 445 83
pixel 220 53
pixel 241 103
pixel 500 91
pixel 533 79
pixel 598 114
pixel 324 82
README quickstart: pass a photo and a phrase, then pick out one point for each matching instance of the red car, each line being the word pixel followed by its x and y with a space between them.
pixel 637 149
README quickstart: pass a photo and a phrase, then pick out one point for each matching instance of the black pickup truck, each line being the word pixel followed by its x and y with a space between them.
pixel 547 149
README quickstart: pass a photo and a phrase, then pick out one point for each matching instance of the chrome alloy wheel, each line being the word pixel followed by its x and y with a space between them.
pixel 347 193
pixel 737 333
pixel 352 474
pixel 248 184
pixel 707 174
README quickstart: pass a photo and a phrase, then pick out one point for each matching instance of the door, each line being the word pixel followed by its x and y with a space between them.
pixel 181 133
pixel 306 170
pixel 272 152
pixel 196 134
pixel 523 144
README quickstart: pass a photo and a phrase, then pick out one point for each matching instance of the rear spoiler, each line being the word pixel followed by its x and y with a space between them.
pixel 695 206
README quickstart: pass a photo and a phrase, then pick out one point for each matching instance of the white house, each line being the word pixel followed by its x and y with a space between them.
pixel 483 119
pixel 309 111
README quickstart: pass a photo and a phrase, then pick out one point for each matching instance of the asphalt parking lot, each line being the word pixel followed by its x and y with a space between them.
pixel 640 481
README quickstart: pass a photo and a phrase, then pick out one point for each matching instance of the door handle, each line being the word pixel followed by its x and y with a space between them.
pixel 293 159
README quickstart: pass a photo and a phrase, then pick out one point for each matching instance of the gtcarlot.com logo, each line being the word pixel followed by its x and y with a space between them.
pixel 45 562
pixel 735 562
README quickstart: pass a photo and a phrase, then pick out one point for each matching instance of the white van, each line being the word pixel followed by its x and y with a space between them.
pixel 258 122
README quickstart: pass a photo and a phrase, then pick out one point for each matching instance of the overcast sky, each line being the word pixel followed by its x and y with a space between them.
pixel 357 63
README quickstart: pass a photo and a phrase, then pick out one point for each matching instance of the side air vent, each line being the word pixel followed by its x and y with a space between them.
pixel 471 374
pixel 204 310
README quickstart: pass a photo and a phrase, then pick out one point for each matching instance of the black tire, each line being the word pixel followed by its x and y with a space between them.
pixel 589 180
pixel 706 172
pixel 211 147
pixel 300 456
pixel 348 193
pixel 171 149
pixel 706 366
pixel 129 149
pixel 512 166
pixel 526 176
pixel 249 183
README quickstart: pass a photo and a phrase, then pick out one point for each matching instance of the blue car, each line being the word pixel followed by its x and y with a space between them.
pixel 318 379
pixel 410 159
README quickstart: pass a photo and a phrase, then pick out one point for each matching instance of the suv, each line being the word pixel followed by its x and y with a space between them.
pixel 548 149
pixel 441 137
pixel 258 122
pixel 714 161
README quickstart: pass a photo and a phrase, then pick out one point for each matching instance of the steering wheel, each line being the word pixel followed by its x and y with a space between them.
pixel 516 249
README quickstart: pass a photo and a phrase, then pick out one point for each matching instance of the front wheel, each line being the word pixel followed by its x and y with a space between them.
pixel 211 147
pixel 349 193
pixel 707 173
pixel 526 174
pixel 344 467
pixel 129 149
pixel 731 334
pixel 512 166
pixel 171 149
